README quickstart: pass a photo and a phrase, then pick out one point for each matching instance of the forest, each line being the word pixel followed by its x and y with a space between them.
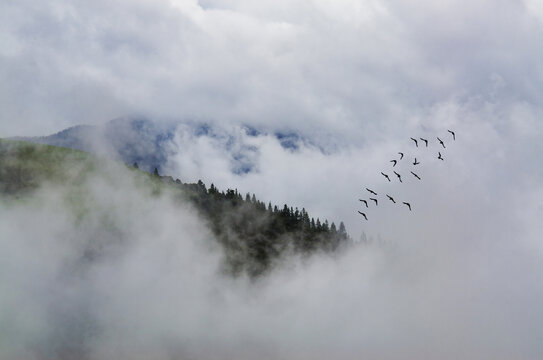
pixel 254 236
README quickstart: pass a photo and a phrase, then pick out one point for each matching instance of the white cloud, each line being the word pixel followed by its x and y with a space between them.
pixel 146 286
pixel 462 281
pixel 342 66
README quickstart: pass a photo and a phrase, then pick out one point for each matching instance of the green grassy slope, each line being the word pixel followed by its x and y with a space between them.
pixel 24 166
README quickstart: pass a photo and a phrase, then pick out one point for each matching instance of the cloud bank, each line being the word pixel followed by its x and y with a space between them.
pixel 111 272
pixel 357 68
pixel 460 276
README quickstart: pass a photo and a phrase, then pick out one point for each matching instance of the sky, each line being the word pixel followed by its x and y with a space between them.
pixel 357 79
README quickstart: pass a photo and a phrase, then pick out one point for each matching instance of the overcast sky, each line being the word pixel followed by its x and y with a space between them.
pixel 360 76
pixel 348 67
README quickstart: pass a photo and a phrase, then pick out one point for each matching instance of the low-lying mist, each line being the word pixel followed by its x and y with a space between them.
pixel 105 269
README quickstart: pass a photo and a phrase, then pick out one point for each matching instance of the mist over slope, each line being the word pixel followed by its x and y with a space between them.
pixel 109 266
pixel 253 235
pixel 152 143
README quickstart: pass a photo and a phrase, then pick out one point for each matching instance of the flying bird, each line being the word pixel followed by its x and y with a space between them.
pixel 439 156
pixel 391 198
pixel 401 155
pixel 364 201
pixel 371 191
pixel 425 141
pixel 398 175
pixel 364 215
pixel 385 175
pixel 415 175
pixel 441 142
pixel 452 132
pixel 416 142
pixel 408 205
pixel 375 201
pixel 394 161
pixel 416 162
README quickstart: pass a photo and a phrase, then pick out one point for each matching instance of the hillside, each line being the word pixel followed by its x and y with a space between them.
pixel 150 143
pixel 126 139
pixel 254 236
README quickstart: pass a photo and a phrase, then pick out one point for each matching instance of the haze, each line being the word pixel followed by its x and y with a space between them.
pixel 458 277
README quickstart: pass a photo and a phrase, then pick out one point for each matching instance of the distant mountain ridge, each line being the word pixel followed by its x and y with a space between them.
pixel 127 139
pixel 149 143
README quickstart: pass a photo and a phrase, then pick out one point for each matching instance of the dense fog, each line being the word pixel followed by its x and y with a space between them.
pixel 105 270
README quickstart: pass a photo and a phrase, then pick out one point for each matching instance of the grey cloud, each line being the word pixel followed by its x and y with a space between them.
pixel 346 67
pixel 461 276
pixel 147 286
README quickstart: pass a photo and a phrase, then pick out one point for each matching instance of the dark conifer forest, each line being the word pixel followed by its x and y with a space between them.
pixel 253 234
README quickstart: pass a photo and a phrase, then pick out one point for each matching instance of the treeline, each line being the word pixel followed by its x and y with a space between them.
pixel 255 235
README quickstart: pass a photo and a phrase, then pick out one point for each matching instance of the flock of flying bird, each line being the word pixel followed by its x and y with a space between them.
pixel 394 163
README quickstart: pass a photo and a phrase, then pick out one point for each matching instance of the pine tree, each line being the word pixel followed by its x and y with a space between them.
pixel 285 212
pixel 156 172
pixel 342 231
pixel 135 165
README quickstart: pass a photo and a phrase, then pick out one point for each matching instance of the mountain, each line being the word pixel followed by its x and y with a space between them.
pixel 127 139
pixel 254 236
pixel 149 143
